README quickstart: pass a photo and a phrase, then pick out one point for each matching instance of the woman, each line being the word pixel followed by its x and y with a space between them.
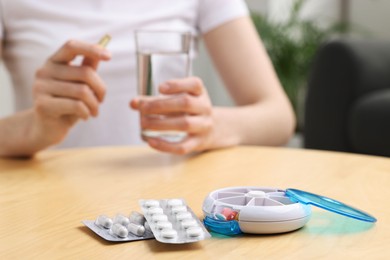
pixel 67 101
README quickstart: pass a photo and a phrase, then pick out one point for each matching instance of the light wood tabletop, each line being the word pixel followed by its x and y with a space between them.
pixel 44 200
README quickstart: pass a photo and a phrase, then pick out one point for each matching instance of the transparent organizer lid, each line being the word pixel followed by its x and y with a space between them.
pixel 328 204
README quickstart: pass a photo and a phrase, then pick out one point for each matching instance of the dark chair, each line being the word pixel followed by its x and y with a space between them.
pixel 348 98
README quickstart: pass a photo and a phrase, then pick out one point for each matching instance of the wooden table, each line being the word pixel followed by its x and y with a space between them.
pixel 44 200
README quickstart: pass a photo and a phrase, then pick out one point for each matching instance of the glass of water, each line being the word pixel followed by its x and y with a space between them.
pixel 161 56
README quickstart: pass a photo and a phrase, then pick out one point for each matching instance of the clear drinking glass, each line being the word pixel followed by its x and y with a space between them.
pixel 161 56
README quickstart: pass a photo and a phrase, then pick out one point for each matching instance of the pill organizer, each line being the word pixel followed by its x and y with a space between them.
pixel 121 228
pixel 172 221
pixel 262 210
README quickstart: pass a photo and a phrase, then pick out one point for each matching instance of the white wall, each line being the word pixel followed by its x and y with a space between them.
pixel 372 16
pixel 322 11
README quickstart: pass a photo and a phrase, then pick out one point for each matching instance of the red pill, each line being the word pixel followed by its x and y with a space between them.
pixel 232 216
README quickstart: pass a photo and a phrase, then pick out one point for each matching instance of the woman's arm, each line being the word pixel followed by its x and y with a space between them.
pixel 63 94
pixel 264 115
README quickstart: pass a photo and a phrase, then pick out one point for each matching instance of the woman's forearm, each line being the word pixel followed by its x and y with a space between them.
pixel 265 123
pixel 18 135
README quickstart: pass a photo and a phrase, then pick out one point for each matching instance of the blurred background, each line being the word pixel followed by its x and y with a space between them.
pixel 292 31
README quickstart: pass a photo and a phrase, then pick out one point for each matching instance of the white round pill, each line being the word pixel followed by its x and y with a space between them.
pixel 135 229
pixel 103 221
pixel 256 194
pixel 155 211
pixel 137 218
pixel 178 209
pixel 174 202
pixel 163 225
pixel 194 232
pixel 183 215
pixel 151 203
pixel 159 217
pixel 119 230
pixel 169 233
pixel 124 221
pixel 187 223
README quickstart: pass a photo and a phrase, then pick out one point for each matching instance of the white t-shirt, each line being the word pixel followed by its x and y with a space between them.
pixel 32 30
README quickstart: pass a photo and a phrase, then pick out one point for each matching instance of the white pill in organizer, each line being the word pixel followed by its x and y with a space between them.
pixel 172 221
pixel 121 228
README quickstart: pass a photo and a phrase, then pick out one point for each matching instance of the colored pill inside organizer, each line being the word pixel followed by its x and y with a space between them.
pixel 155 211
pixel 174 203
pixel 121 219
pixel 233 216
pixel 119 230
pixel 226 211
pixel 104 221
pixel 137 218
pixel 152 203
pixel 178 209
pixel 135 229
pixel 229 214
pixel 220 216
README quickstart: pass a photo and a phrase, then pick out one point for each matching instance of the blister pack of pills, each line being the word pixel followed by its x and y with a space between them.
pixel 172 221
pixel 121 228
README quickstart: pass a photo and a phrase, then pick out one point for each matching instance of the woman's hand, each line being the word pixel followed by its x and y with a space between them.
pixel 65 93
pixel 187 108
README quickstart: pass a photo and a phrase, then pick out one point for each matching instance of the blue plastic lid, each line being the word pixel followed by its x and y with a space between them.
pixel 328 204
pixel 222 226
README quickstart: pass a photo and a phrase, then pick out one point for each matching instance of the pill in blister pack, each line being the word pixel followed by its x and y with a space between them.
pixel 121 228
pixel 172 221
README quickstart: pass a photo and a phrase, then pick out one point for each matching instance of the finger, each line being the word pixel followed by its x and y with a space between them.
pixel 182 103
pixel 77 91
pixel 135 103
pixel 73 48
pixel 186 123
pixel 93 63
pixel 57 107
pixel 187 146
pixel 193 86
pixel 78 74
